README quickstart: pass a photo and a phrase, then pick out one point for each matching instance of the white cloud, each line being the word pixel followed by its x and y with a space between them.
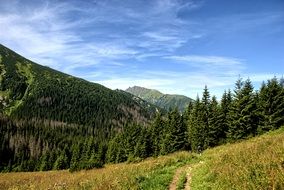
pixel 213 60
pixel 47 33
pixel 118 34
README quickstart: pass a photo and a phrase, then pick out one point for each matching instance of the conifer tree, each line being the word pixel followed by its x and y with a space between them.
pixel 44 162
pixel 61 162
pixel 157 133
pixel 75 159
pixel 215 130
pixel 225 107
pixel 243 116
pixel 196 138
pixel 271 105
pixel 176 132
pixel 205 114
pixel 187 112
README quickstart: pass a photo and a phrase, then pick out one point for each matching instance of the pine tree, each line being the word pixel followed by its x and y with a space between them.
pixel 271 105
pixel 141 149
pixel 196 138
pixel 176 132
pixel 243 116
pixel 44 162
pixel 215 130
pixel 187 112
pixel 157 132
pixel 75 159
pixel 205 114
pixel 112 151
pixel 225 107
pixel 61 162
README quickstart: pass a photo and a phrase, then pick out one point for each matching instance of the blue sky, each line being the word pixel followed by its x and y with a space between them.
pixel 175 46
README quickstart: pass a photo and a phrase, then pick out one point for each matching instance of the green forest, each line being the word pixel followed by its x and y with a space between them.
pixel 52 121
pixel 46 144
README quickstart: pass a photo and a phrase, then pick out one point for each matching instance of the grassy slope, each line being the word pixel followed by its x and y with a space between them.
pixel 153 173
pixel 257 163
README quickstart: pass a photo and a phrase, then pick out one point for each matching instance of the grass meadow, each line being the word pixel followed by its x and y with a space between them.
pixel 152 173
pixel 257 163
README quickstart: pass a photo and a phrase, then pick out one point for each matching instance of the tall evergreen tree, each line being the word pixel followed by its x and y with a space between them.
pixel 205 114
pixel 225 107
pixel 157 132
pixel 196 127
pixel 243 117
pixel 214 130
pixel 271 105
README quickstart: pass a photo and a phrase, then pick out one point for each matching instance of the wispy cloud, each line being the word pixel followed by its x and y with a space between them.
pixel 69 35
pixel 123 43
pixel 219 66
pixel 210 60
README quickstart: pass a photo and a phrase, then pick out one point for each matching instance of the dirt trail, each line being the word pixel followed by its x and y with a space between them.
pixel 177 175
pixel 179 171
pixel 188 179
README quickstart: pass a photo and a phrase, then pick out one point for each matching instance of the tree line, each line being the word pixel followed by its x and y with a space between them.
pixel 40 145
pixel 206 123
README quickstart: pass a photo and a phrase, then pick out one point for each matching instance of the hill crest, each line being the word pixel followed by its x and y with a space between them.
pixel 29 90
pixel 166 101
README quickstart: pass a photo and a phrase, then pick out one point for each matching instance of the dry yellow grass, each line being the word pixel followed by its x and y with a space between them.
pixel 115 176
pixel 257 163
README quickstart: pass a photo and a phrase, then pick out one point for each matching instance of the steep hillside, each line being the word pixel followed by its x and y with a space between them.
pixel 28 90
pixel 51 120
pixel 166 101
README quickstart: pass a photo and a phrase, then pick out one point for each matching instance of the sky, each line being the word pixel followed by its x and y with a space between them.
pixel 175 46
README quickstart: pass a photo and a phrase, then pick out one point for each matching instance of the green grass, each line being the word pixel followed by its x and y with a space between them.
pixel 26 70
pixel 158 179
pixel 182 181
pixel 257 163
pixel 23 69
pixel 152 173
pixel 161 178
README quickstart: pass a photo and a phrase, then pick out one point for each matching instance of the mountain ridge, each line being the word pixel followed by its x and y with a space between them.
pixel 26 86
pixel 166 101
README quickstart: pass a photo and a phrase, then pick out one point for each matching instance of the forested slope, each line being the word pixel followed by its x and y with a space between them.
pixel 28 90
pixel 51 120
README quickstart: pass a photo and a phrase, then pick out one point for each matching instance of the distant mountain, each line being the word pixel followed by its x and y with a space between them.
pixel 166 101
pixel 29 90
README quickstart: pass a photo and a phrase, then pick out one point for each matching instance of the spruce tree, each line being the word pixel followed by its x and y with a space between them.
pixel 75 159
pixel 196 138
pixel 205 114
pixel 215 130
pixel 157 133
pixel 271 105
pixel 243 116
pixel 176 133
pixel 225 107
